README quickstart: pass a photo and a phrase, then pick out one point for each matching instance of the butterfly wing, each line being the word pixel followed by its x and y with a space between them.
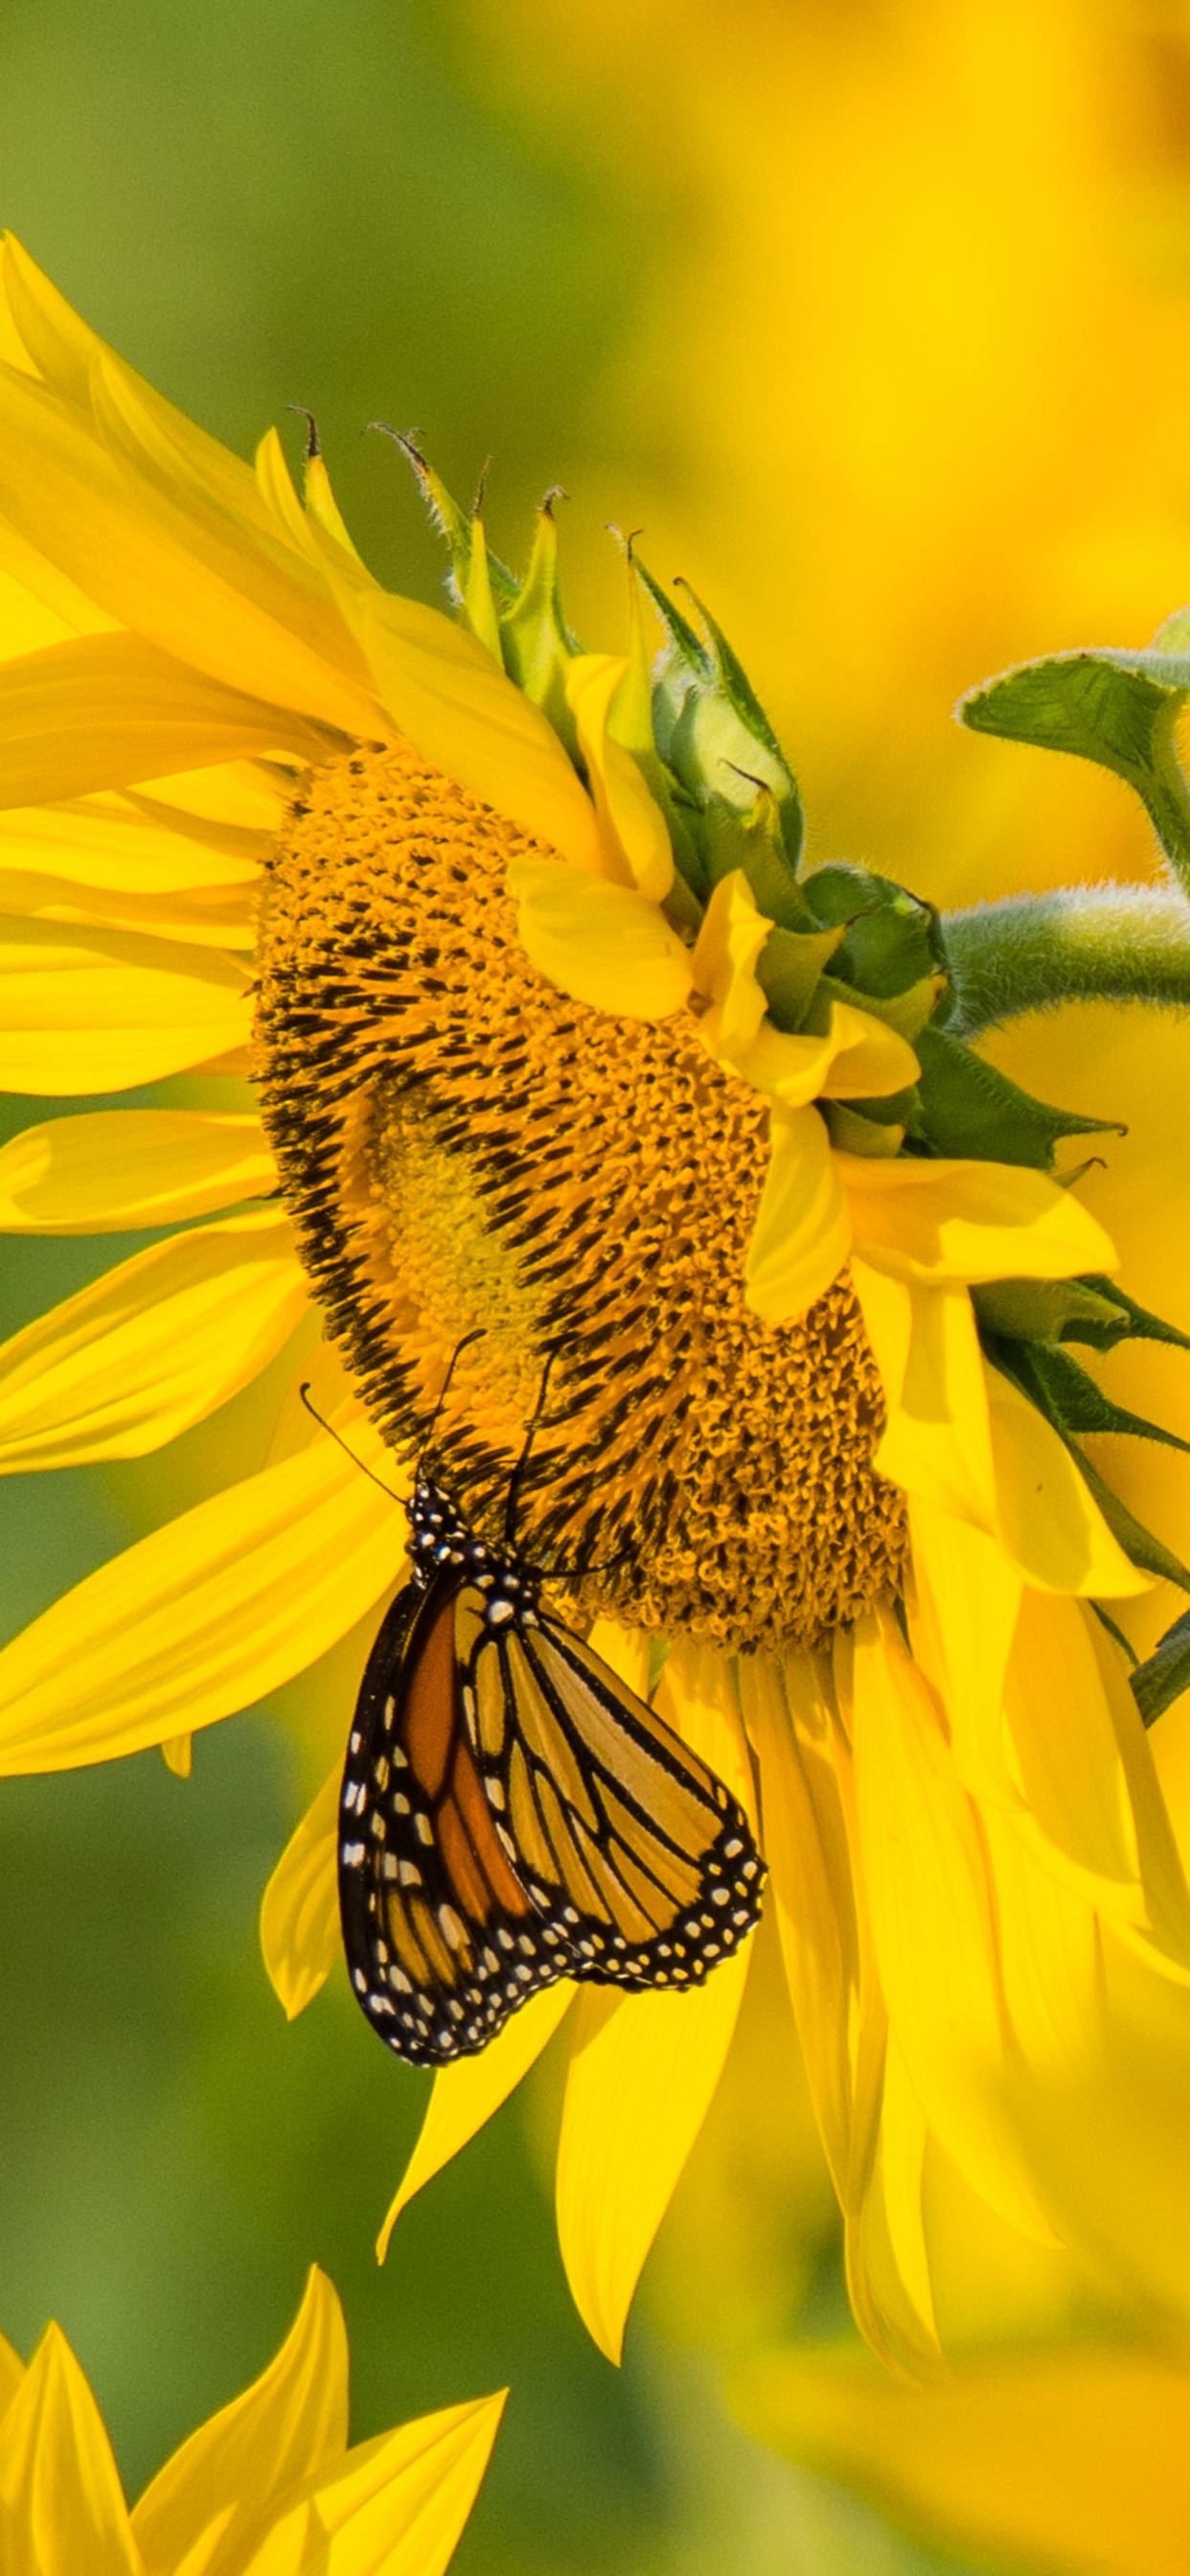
pixel 633 1853
pixel 442 1939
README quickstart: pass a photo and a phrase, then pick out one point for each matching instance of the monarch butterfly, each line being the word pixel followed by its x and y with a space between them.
pixel 512 1813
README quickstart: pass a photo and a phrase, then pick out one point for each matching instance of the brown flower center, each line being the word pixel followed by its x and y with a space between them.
pixel 465 1150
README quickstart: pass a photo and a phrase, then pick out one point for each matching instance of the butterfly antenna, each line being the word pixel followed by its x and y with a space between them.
pixel 345 1446
pixel 444 1389
pixel 513 1495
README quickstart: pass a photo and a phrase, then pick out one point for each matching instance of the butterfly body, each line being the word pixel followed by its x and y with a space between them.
pixel 512 1813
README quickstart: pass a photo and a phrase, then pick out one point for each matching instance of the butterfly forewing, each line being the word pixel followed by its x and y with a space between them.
pixel 512 1813
pixel 442 1940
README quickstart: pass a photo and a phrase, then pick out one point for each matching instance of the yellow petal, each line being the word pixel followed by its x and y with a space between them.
pixel 299 1914
pixel 133 844
pixel 203 1617
pixel 802 1234
pixel 696 1696
pixel 204 2510
pixel 723 964
pixel 1106 2141
pixel 122 1168
pixel 444 691
pixel 12 2372
pixel 1072 2461
pixel 393 2507
pixel 603 944
pixel 937 1442
pixel 177 1753
pixel 1050 1945
pixel 152 1346
pixel 927 1891
pixel 1070 1774
pixel 858 1059
pixel 109 710
pixel 1047 1516
pixel 40 605
pixel 968 1595
pixel 643 2068
pixel 632 828
pixel 144 541
pixel 214 917
pixel 804 1838
pixel 98 1010
pixel 62 2509
pixel 888 2267
pixel 935 1221
pixel 466 2095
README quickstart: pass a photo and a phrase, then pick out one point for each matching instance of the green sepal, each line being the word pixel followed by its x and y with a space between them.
pixel 1117 708
pixel 907 1012
pixel 536 642
pixel 788 971
pixel 754 841
pixel 968 1108
pixel 1127 1649
pixel 1161 1680
pixel 455 525
pixel 712 732
pixel 1139 1544
pixel 630 723
pixel 1052 1310
pixel 1069 1397
pixel 1142 1326
pixel 893 940
pixel 853 1129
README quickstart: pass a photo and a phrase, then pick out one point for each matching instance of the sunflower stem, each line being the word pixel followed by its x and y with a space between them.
pixel 1105 943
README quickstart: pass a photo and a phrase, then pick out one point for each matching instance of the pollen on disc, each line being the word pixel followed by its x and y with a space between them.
pixel 464 1149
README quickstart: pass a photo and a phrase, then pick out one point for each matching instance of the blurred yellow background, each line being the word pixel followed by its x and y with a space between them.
pixel 875 316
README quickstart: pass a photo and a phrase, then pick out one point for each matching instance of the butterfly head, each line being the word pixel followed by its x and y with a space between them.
pixel 439 1537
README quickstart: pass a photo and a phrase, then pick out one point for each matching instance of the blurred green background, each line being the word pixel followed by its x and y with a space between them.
pixel 774 286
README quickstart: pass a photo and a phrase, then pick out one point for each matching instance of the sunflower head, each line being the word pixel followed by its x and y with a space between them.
pixel 526 1114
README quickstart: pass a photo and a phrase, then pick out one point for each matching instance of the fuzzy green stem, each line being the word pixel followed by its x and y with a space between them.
pixel 1104 943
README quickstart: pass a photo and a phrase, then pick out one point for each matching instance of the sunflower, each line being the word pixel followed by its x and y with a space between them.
pixel 268 2482
pixel 562 1058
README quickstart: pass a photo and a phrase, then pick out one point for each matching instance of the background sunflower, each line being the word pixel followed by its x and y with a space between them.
pixel 877 317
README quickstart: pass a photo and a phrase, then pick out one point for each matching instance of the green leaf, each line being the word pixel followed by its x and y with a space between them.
pixel 1117 708
pixel 968 1108
pixel 1166 1674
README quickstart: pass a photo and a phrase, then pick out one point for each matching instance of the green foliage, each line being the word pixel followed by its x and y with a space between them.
pixel 1117 708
